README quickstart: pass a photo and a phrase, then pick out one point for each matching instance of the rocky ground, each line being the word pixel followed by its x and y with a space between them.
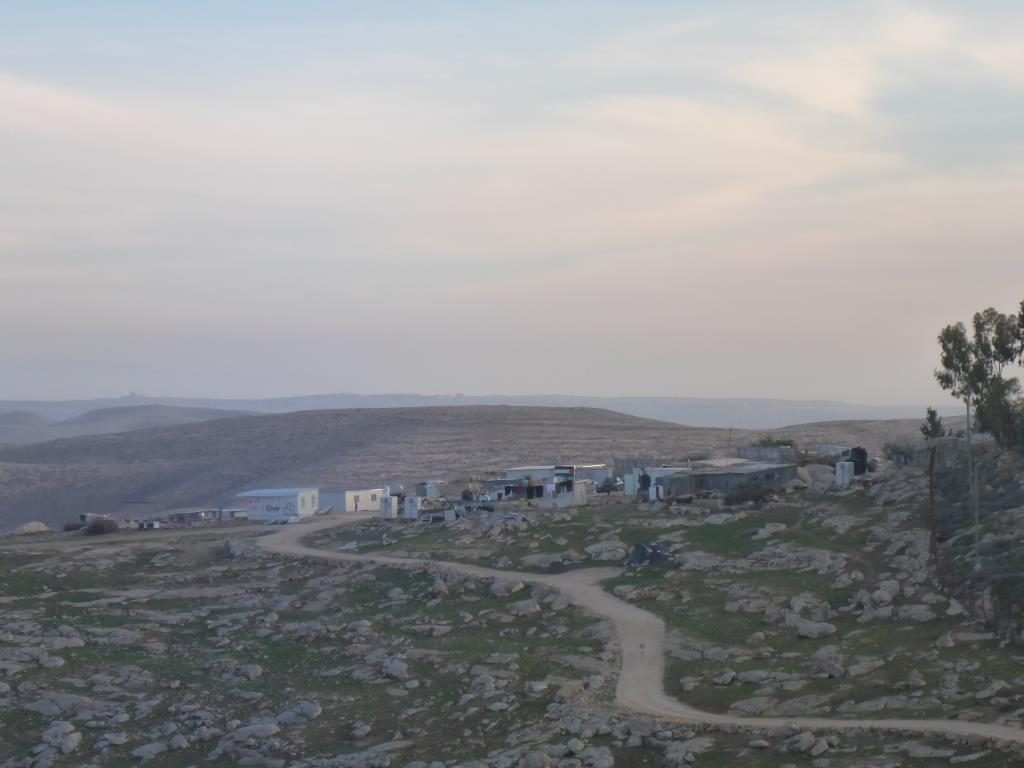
pixel 193 650
pixel 197 651
pixel 814 605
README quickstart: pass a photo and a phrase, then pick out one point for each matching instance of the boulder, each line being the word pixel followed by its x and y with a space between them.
pixel 611 549
pixel 395 668
pixel 29 528
pixel 814 629
pixel 725 678
pixel 918 750
pixel 504 588
pixel 802 742
pixel 149 751
pixel 827 661
pixel 524 607
pixel 917 612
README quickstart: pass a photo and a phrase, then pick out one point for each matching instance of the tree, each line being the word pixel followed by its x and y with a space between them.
pixel 972 371
pixel 998 342
pixel 998 410
pixel 959 375
pixel 932 429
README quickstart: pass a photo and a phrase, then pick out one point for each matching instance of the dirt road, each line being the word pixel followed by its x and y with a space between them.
pixel 641 636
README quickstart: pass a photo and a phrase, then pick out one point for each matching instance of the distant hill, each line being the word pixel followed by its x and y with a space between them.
pixel 207 462
pixel 21 419
pixel 26 427
pixel 739 413
pixel 146 416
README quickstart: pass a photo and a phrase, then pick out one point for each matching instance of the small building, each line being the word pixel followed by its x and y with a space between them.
pixel 275 504
pixel 502 489
pixel 367 500
pixel 771 454
pixel 640 479
pixel 191 515
pixel 548 486
pixel 595 473
pixel 726 477
pixel 351 500
pixel 831 451
pixel 429 489
pixel 148 525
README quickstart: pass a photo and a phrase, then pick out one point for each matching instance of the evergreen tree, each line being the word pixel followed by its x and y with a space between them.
pixel 932 427
pixel 959 375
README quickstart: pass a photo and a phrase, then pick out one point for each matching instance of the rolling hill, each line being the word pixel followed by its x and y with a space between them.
pixel 741 413
pixel 207 462
pixel 26 427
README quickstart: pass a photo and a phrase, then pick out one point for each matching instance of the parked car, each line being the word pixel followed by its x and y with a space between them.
pixel 610 484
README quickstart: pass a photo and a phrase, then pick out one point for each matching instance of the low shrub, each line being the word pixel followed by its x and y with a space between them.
pixel 767 441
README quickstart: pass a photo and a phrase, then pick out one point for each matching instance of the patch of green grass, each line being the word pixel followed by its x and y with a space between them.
pixel 20 732
pixel 736 539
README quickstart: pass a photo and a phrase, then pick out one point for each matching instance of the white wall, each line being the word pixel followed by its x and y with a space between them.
pixel 264 508
pixel 596 474
pixel 309 502
pixel 363 501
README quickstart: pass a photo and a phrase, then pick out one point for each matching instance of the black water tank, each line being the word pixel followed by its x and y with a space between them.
pixel 859 457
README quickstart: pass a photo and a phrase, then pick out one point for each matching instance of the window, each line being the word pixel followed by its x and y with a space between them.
pixel 302 502
pixel 356 498
pixel 373 497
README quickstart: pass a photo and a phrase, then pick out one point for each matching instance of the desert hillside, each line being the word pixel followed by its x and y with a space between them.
pixel 735 412
pixel 207 462
pixel 26 427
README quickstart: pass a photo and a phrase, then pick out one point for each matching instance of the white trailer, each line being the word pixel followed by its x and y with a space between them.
pixel 280 504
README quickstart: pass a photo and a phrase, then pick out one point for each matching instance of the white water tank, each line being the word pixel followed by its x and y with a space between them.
pixel 844 473
pixel 411 510
pixel 388 508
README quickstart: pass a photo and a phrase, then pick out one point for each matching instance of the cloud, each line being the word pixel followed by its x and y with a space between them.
pixel 673 186
pixel 837 62
pixel 594 172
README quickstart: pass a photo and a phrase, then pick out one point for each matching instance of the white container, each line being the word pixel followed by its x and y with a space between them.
pixel 411 510
pixel 844 473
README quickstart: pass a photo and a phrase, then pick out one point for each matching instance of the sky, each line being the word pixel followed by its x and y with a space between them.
pixel 718 199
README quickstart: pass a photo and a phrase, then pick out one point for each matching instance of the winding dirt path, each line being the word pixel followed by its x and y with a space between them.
pixel 641 637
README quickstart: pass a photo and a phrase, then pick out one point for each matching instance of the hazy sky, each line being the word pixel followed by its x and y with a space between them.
pixel 681 198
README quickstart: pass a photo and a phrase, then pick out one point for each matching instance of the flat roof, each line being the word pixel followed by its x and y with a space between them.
pixel 555 466
pixel 269 492
pixel 743 469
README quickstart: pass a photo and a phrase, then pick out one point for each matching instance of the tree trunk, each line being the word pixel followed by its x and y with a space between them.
pixel 973 480
pixel 933 533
